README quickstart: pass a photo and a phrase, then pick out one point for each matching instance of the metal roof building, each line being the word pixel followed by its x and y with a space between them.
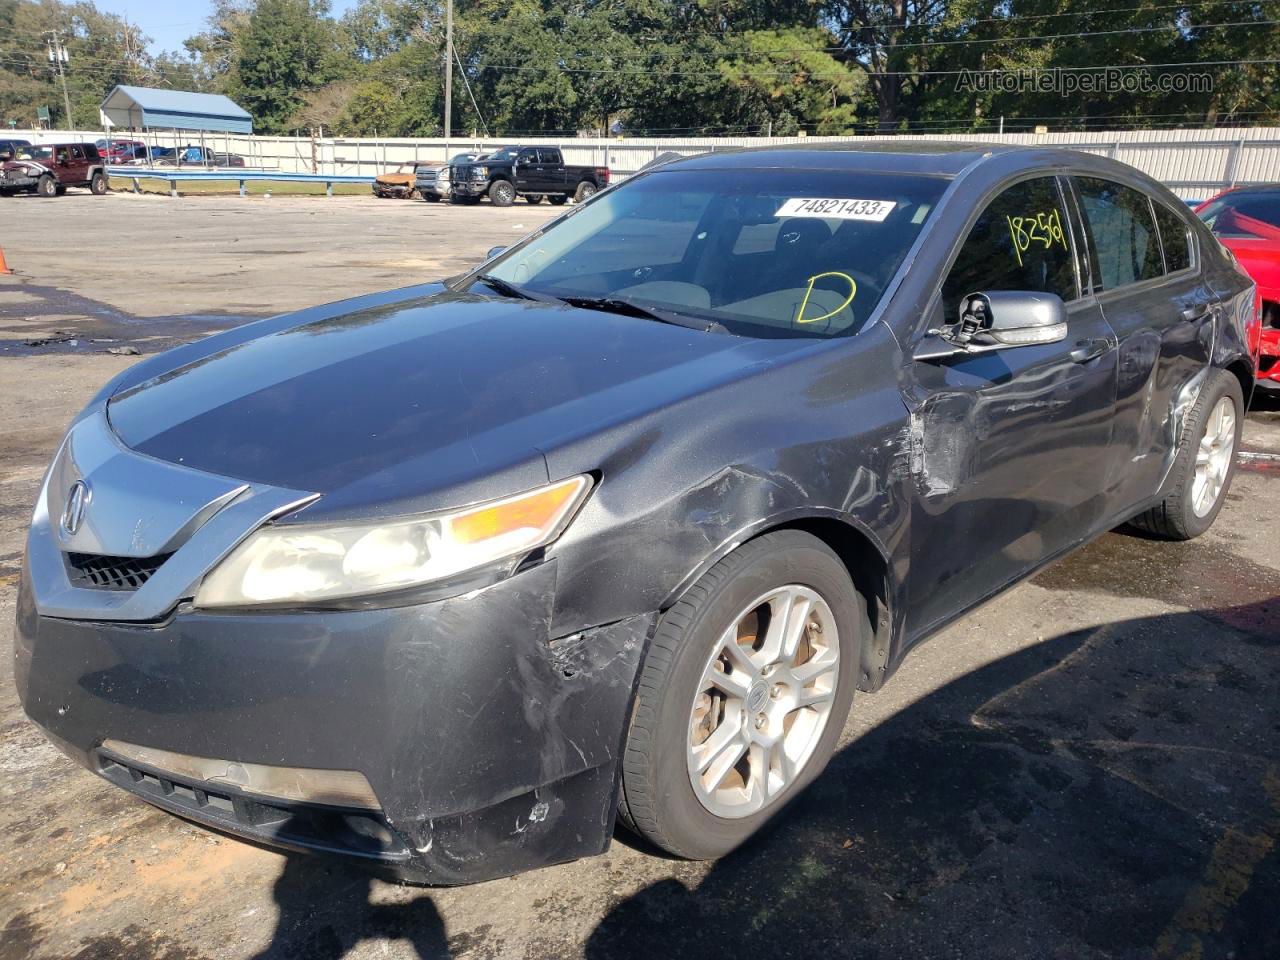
pixel 147 108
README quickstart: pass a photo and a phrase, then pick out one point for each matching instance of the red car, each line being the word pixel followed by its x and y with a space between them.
pixel 1247 222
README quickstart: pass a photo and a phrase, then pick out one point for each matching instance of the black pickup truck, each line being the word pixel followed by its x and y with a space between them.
pixel 529 172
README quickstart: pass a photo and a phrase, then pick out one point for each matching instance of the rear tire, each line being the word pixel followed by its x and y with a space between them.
pixel 533 198
pixel 98 185
pixel 680 711
pixel 586 190
pixel 558 199
pixel 502 193
pixel 431 197
pixel 1205 463
pixel 46 187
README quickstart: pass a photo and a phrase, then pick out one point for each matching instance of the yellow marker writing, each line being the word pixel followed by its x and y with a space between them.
pixel 853 291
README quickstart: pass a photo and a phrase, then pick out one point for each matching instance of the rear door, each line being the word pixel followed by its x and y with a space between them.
pixel 553 172
pixel 1009 446
pixel 1163 311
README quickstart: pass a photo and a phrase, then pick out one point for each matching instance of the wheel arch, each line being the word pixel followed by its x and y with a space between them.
pixel 864 558
pixel 1242 369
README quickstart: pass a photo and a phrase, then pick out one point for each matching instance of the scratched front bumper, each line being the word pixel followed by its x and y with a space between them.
pixel 491 749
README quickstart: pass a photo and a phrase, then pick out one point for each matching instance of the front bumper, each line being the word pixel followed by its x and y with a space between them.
pixel 491 748
pixel 469 188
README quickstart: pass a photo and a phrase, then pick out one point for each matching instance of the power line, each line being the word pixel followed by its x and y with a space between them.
pixel 878 73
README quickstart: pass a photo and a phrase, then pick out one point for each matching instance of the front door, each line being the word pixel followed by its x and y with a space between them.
pixel 528 172
pixel 1009 447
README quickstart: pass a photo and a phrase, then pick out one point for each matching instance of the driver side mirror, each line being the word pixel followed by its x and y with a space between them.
pixel 997 320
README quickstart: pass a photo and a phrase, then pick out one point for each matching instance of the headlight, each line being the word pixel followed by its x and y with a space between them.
pixel 479 173
pixel 300 562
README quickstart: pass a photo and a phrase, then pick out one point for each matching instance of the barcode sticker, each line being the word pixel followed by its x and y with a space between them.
pixel 836 209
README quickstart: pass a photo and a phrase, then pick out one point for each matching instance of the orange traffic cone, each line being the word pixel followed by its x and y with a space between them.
pixel 4 267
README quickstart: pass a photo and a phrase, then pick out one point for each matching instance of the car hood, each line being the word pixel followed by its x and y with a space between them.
pixel 412 405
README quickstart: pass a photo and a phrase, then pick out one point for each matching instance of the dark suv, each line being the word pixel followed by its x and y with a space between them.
pixel 48 169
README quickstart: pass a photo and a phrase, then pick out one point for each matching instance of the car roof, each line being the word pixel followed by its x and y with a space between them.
pixel 946 157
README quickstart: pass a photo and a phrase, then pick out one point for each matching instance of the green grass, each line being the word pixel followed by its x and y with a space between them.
pixel 231 187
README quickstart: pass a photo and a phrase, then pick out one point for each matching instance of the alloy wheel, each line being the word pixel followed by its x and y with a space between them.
pixel 763 701
pixel 1213 457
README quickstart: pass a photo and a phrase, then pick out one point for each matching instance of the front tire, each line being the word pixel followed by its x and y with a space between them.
pixel 502 193
pixel 45 186
pixel 743 695
pixel 1205 463
pixel 558 199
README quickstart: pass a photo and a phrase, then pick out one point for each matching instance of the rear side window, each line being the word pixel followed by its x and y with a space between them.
pixel 1019 242
pixel 1173 238
pixel 1126 248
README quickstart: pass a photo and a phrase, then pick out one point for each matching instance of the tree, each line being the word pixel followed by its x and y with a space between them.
pixel 286 48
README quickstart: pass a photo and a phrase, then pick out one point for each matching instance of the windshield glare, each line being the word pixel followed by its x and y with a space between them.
pixel 1245 214
pixel 763 253
pixel 505 153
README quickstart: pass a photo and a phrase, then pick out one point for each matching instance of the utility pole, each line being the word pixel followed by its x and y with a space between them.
pixel 448 76
pixel 58 57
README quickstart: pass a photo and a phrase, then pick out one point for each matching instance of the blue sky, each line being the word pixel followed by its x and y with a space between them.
pixel 168 23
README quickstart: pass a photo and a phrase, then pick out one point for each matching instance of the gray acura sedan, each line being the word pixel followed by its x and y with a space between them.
pixel 447 579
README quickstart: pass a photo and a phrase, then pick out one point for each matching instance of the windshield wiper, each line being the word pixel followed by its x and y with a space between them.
pixel 631 309
pixel 511 290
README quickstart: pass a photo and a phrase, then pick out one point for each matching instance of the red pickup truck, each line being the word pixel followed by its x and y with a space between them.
pixel 48 169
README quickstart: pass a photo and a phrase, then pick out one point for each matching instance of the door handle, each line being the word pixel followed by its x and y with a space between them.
pixel 1087 350
pixel 1195 312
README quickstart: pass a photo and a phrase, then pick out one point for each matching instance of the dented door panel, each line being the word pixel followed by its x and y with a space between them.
pixel 1012 447
pixel 1166 333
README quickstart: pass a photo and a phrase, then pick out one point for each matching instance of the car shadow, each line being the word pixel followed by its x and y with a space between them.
pixel 1110 792
pixel 326 910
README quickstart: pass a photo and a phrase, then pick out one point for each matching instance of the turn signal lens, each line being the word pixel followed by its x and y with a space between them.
pixel 293 563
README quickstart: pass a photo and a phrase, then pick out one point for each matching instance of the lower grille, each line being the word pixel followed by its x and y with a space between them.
pixel 112 573
pixel 360 833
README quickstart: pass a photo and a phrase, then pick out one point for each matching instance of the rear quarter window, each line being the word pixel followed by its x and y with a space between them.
pixel 1174 239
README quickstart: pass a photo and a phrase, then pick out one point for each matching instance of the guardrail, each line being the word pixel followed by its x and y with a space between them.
pixel 175 174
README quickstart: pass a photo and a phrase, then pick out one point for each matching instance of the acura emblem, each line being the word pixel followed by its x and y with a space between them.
pixel 73 513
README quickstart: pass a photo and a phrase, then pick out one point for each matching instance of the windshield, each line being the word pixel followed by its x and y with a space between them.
pixel 39 154
pixel 1245 213
pixel 763 253
pixel 505 153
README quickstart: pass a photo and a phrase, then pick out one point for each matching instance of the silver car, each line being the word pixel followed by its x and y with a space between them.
pixel 433 182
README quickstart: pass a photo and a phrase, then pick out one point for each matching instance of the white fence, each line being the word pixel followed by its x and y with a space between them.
pixel 1193 163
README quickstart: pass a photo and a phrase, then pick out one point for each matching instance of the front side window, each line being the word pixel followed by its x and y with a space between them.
pixel 1126 248
pixel 1019 242
pixel 549 156
pixel 1174 239
pixel 763 253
